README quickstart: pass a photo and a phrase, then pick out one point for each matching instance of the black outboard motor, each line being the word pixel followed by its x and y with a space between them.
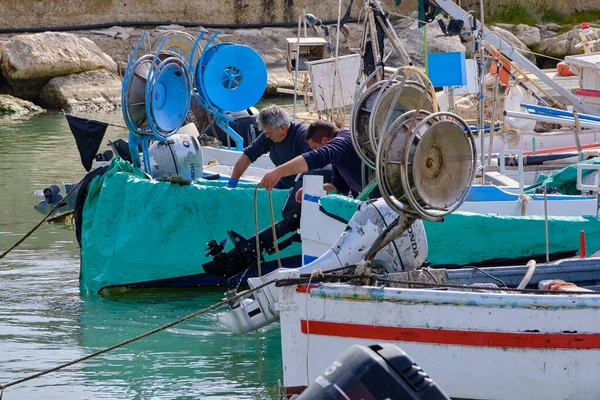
pixel 244 124
pixel 375 372
pixel 243 255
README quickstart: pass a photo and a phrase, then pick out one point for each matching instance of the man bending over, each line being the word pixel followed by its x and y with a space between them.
pixel 282 139
pixel 329 145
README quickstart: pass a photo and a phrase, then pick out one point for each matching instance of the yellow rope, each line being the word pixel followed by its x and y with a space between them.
pixel 256 231
pixel 427 82
pixel 272 229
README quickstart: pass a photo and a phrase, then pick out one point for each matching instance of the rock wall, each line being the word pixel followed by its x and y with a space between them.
pixel 19 14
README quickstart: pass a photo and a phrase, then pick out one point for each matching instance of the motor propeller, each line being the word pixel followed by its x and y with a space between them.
pixel 50 195
pixel 215 248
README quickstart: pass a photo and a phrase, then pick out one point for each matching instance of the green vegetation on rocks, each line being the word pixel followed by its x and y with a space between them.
pixel 533 12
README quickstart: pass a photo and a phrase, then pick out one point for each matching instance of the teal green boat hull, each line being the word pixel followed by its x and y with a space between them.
pixel 141 232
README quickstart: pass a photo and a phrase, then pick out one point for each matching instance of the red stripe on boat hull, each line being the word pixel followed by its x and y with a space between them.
pixel 529 340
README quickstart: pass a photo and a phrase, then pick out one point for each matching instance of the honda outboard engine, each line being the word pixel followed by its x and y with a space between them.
pixel 408 251
pixel 244 123
pixel 425 164
pixel 179 155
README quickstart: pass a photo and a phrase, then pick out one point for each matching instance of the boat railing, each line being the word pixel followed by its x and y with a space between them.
pixel 520 170
pixel 583 187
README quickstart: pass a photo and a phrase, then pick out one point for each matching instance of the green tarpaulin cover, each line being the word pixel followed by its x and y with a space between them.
pixel 464 238
pixel 565 180
pixel 135 229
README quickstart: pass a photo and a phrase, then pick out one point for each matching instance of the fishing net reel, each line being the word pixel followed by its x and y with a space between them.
pixel 158 86
pixel 156 94
pixel 380 104
pixel 229 78
pixel 426 164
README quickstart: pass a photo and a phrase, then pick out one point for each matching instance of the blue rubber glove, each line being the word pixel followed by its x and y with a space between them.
pixel 232 183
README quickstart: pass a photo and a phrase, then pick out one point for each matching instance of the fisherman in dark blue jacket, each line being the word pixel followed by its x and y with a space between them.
pixel 281 138
pixel 330 145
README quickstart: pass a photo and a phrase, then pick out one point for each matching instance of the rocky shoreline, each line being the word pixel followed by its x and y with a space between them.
pixel 81 71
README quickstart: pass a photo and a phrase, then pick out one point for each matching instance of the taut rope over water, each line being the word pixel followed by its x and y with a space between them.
pixel 116 346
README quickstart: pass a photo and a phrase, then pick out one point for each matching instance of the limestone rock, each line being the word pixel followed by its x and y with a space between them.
pixel 529 35
pixel 508 27
pixel 88 91
pixel 549 26
pixel 547 34
pixel 436 42
pixel 564 45
pixel 10 105
pixel 42 56
pixel 116 32
pixel 513 41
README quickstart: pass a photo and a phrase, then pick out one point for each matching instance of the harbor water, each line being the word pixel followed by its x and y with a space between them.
pixel 45 322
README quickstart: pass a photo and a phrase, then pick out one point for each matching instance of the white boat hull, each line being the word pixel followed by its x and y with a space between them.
pixel 474 345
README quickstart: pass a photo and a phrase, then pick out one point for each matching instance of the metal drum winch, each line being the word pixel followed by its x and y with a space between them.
pixel 380 104
pixel 156 95
pixel 426 164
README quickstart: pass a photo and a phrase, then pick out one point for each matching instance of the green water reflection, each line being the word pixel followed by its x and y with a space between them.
pixel 45 322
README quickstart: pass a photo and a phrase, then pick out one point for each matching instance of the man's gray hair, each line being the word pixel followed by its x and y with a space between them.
pixel 272 115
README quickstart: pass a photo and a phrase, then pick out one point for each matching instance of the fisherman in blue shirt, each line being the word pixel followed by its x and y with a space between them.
pixel 329 145
pixel 281 138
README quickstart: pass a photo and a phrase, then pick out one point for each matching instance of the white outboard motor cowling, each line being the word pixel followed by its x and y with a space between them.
pixel 179 155
pixel 408 251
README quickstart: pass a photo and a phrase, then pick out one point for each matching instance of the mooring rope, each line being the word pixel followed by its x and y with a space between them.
pixel 60 203
pixel 315 277
pixel 162 328
pixel 306 278
pixel 272 229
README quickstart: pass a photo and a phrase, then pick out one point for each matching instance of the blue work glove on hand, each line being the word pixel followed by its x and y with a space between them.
pixel 232 183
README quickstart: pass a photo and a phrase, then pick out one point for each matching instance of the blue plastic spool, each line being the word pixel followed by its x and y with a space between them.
pixel 168 97
pixel 234 77
pixel 161 103
pixel 229 77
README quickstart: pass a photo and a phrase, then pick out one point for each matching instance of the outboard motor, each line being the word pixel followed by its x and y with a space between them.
pixel 373 372
pixel 179 155
pixel 408 251
pixel 243 255
pixel 244 123
pixel 425 165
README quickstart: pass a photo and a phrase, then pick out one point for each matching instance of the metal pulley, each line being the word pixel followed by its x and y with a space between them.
pixel 426 164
